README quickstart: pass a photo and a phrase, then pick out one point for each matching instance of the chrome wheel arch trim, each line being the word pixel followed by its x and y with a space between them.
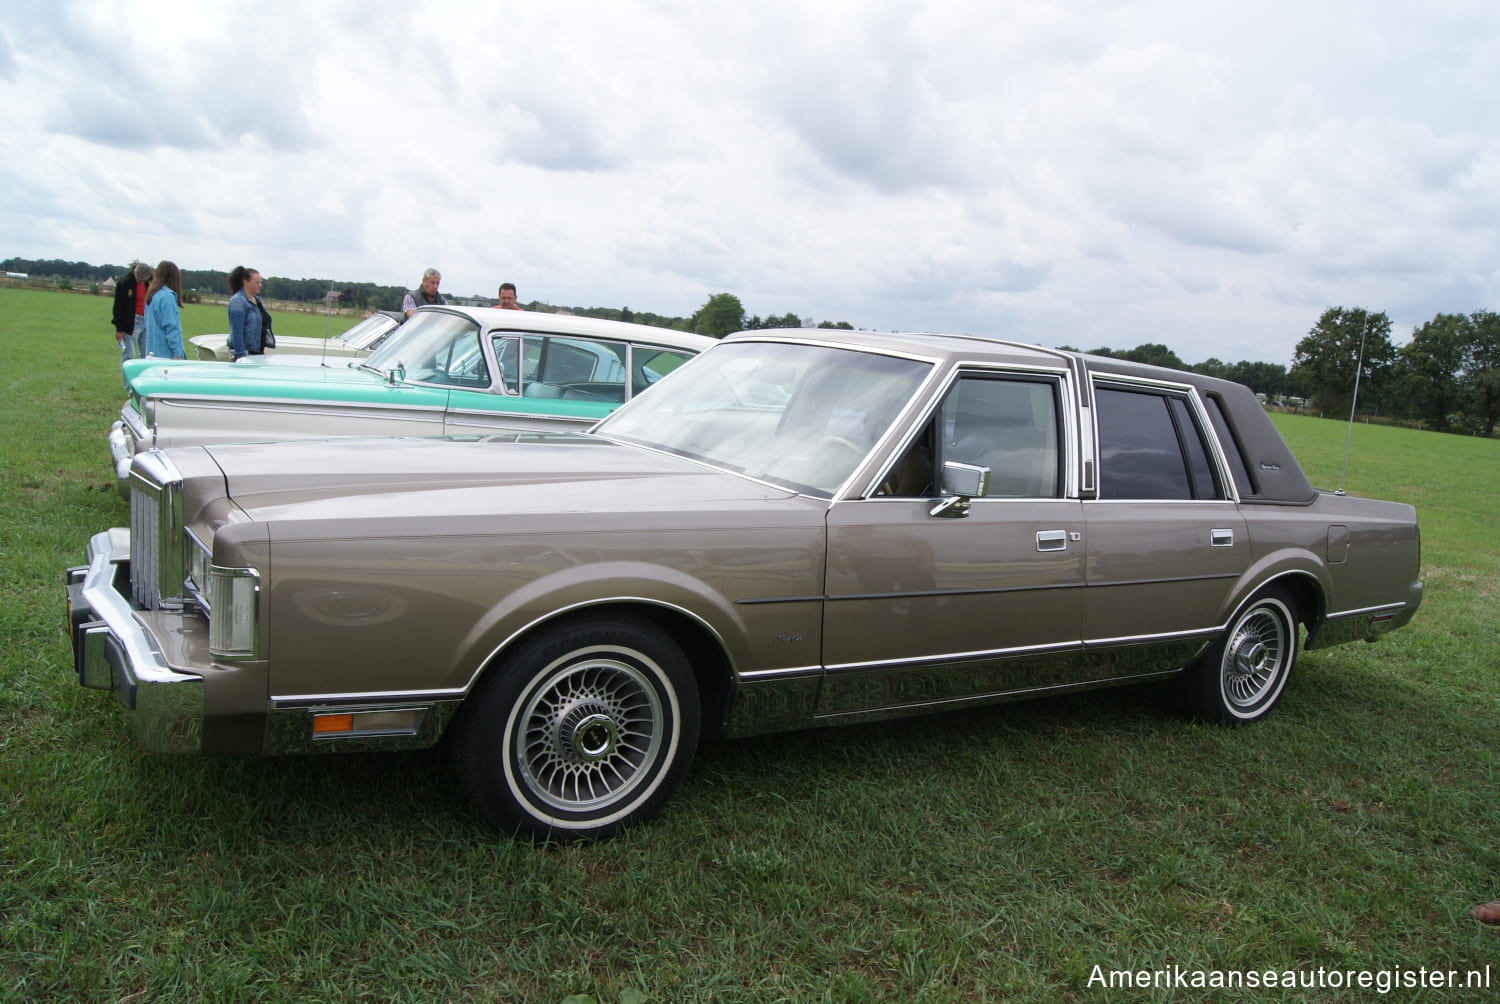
pixel 1297 568
pixel 535 623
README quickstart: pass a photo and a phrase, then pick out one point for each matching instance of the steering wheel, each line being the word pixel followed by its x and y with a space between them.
pixel 842 443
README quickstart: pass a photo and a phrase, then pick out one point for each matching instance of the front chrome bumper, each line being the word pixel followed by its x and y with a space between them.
pixel 113 650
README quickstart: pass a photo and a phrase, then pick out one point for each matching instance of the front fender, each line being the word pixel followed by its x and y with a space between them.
pixel 624 583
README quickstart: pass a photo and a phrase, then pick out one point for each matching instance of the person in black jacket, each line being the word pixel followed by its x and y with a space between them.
pixel 130 312
pixel 425 294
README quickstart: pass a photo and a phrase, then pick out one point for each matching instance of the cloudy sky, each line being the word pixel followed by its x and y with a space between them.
pixel 1206 175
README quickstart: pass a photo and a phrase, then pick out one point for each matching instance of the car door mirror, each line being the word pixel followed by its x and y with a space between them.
pixel 396 374
pixel 959 484
pixel 968 480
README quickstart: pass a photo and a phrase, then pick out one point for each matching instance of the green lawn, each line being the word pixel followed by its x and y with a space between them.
pixel 999 854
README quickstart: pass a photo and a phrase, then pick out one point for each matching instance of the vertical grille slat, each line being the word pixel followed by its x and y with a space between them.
pixel 145 545
pixel 157 541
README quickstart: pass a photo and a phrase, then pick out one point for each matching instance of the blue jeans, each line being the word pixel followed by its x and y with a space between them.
pixel 133 346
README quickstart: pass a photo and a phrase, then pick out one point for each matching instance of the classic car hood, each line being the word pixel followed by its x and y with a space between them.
pixel 303 348
pixel 351 479
pixel 214 379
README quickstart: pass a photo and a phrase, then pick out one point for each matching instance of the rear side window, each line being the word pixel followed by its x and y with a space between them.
pixel 1151 447
pixel 1237 465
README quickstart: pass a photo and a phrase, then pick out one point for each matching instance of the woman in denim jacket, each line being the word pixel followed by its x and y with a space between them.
pixel 245 313
pixel 163 313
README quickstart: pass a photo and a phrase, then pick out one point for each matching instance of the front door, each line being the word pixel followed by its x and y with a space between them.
pixel 934 610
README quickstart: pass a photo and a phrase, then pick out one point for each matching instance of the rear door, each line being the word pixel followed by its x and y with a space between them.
pixel 1166 541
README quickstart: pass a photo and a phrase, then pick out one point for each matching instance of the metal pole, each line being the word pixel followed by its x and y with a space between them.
pixel 1359 366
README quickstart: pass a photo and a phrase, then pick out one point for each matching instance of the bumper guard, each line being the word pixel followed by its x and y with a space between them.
pixel 112 650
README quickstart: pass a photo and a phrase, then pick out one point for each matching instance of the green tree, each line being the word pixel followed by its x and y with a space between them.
pixel 1263 378
pixel 1154 354
pixel 1428 369
pixel 1214 367
pixel 1481 379
pixel 1327 360
pixel 722 315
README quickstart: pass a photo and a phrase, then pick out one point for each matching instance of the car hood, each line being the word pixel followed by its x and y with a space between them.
pixel 202 378
pixel 551 475
pixel 297 344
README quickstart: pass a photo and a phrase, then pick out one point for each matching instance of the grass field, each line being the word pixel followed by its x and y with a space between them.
pixel 999 854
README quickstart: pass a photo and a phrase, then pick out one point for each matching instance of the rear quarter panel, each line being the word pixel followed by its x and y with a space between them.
pixel 1363 551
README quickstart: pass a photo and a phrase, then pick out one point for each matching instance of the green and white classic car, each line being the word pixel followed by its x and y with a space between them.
pixel 446 370
pixel 795 529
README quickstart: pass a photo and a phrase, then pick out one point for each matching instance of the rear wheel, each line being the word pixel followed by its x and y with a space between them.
pixel 587 727
pixel 1241 676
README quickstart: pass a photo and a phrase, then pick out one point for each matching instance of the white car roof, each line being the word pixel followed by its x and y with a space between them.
pixel 572 324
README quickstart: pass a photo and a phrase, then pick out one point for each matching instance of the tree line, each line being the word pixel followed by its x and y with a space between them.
pixel 359 295
pixel 719 316
pixel 1446 378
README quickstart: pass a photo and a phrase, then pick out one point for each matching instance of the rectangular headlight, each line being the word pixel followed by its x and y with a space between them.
pixel 234 612
pixel 200 560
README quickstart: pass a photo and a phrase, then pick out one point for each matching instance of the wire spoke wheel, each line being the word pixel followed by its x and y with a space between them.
pixel 1241 676
pixel 588 734
pixel 1254 657
pixel 587 726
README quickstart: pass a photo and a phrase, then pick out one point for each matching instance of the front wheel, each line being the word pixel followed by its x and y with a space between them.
pixel 1242 674
pixel 587 727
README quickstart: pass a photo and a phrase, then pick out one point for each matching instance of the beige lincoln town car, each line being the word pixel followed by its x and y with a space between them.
pixel 794 529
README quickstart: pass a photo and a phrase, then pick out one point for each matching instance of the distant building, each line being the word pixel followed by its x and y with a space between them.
pixel 17 275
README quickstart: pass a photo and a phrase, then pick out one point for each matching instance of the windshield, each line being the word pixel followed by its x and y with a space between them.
pixel 367 334
pixel 801 416
pixel 435 347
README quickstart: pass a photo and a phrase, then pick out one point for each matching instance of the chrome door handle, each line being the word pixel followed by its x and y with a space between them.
pixel 1221 538
pixel 1052 540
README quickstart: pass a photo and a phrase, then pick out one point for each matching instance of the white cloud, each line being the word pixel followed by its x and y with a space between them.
pixel 1093 173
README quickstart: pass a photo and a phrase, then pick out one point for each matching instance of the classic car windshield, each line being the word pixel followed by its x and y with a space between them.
pixel 368 334
pixel 802 416
pixel 435 347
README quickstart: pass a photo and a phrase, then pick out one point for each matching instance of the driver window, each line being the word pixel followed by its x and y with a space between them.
pixel 508 356
pixel 1009 426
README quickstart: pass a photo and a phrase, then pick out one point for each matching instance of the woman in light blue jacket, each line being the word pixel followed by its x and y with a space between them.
pixel 246 316
pixel 163 314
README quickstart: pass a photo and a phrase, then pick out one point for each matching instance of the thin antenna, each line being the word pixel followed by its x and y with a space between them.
pixel 1358 369
pixel 327 305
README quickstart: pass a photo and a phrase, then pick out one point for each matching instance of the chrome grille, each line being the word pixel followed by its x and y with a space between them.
pixel 157 539
pixel 145 544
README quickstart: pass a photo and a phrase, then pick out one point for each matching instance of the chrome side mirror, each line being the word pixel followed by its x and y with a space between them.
pixel 960 483
pixel 396 374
